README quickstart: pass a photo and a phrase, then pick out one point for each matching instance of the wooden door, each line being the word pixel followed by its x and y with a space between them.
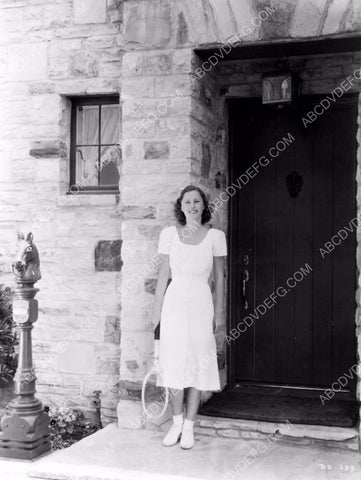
pixel 280 219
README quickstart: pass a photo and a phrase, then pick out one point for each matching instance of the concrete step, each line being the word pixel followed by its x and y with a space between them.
pixel 114 453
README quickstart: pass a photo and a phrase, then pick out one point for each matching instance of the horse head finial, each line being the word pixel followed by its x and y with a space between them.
pixel 26 267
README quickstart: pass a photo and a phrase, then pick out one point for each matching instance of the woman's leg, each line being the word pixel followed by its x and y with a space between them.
pixel 176 400
pixel 193 400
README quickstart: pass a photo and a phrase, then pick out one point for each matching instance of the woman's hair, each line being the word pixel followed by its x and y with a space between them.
pixel 206 214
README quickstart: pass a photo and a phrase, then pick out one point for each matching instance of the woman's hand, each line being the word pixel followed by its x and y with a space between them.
pixel 219 330
pixel 156 318
pixel 218 321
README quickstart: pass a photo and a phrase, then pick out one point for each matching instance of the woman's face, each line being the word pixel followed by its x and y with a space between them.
pixel 192 206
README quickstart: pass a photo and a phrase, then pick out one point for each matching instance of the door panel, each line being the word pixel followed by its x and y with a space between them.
pixel 308 337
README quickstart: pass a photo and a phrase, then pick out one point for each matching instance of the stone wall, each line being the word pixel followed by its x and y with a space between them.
pixel 173 24
pixel 50 50
pixel 173 133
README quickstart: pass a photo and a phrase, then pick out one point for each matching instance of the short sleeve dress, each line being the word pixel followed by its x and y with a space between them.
pixel 187 347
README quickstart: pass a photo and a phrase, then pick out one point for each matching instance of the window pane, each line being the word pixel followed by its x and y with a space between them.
pixel 110 161
pixel 87 166
pixel 110 120
pixel 87 125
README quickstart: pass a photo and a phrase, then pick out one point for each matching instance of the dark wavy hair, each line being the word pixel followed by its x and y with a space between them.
pixel 206 214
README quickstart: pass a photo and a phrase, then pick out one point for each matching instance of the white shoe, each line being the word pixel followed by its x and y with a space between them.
pixel 187 440
pixel 174 432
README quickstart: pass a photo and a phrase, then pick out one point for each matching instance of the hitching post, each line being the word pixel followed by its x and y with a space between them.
pixel 24 428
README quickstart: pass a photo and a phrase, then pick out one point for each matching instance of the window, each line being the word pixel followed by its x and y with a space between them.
pixel 94 153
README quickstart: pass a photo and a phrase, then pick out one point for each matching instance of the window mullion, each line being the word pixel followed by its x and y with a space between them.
pixel 99 147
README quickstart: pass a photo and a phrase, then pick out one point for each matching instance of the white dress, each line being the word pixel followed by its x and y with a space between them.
pixel 187 346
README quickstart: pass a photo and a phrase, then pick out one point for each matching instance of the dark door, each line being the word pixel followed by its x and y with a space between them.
pixel 281 218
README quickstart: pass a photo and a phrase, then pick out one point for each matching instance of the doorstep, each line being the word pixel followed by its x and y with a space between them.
pixel 342 438
pixel 331 437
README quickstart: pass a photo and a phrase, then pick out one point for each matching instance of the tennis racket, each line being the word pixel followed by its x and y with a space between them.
pixel 152 400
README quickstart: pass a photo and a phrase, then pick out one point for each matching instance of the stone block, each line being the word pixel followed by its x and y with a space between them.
pixel 228 14
pixel 157 63
pixel 5 170
pixel 135 346
pixel 150 285
pixel 150 188
pixel 100 42
pixel 108 365
pixel 130 415
pixel 156 150
pixel 238 91
pixel 318 87
pixel 334 16
pixel 41 88
pixel 59 65
pixel 3 62
pixel 180 147
pixel 182 30
pixel 57 15
pixel 47 170
pixel 278 22
pixel 228 433
pixel 33 17
pixel 211 432
pixel 168 86
pixel 253 435
pixel 138 87
pixel 110 69
pixel 308 15
pixel 90 11
pixel 243 17
pixel 182 60
pixel 44 109
pixel 78 358
pixel 130 389
pixel 85 64
pixel 177 166
pixel 132 365
pixel 132 64
pixel 107 256
pixel 353 16
pixel 28 61
pixel 148 24
pixel 149 231
pixel 112 329
pixel 134 129
pixel 206 160
pixel 135 212
pixel 173 126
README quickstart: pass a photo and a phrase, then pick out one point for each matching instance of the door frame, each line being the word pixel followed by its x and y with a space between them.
pixel 348 98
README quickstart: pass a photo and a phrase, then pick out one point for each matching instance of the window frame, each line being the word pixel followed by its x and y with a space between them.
pixel 77 101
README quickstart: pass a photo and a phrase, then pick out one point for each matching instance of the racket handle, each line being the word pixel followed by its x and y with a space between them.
pixel 157 332
pixel 156 349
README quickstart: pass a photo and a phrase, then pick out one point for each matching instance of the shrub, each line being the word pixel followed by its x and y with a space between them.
pixel 67 426
pixel 8 338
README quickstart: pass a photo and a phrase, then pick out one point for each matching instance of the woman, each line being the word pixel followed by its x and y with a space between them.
pixel 188 319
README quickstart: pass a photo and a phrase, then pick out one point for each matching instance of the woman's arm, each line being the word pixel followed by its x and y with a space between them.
pixel 219 292
pixel 163 276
